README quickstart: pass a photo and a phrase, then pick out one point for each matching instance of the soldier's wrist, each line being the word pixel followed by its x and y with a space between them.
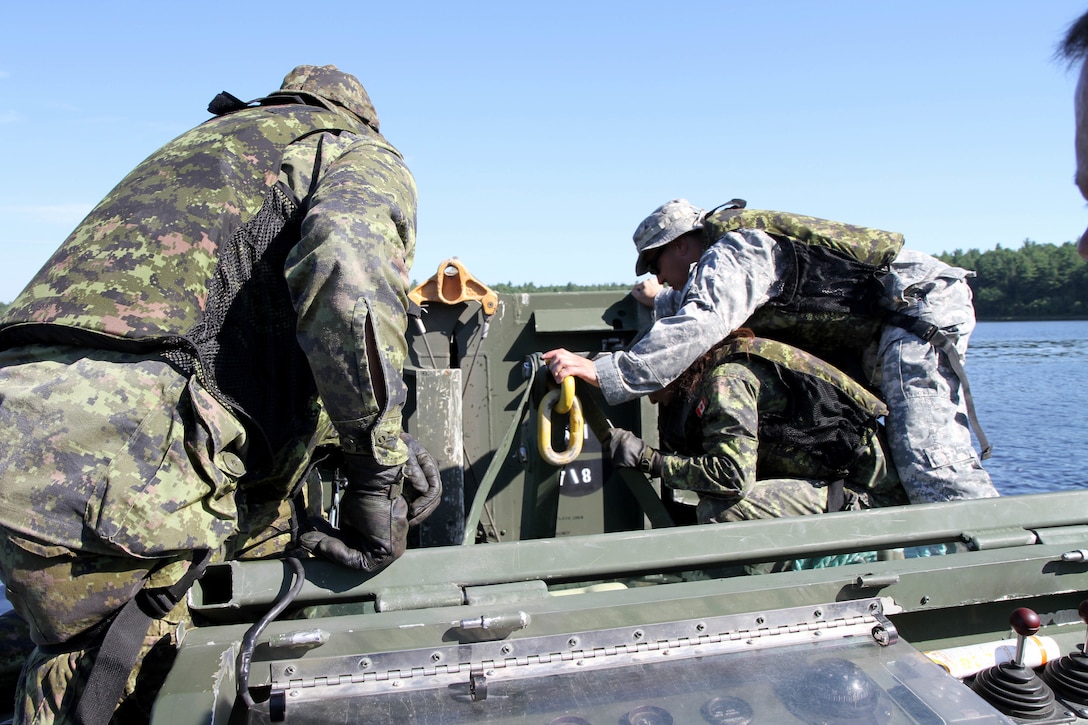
pixel 650 462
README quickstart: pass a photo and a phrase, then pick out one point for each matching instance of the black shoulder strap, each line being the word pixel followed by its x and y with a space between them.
pixel 225 103
pixel 836 495
pixel 125 637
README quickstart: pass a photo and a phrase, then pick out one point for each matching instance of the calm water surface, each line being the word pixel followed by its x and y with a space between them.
pixel 1029 383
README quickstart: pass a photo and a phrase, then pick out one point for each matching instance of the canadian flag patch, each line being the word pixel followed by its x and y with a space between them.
pixel 700 408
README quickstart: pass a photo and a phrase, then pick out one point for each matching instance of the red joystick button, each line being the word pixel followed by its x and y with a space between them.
pixel 1025 622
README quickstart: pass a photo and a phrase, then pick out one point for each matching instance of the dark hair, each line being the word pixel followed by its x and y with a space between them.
pixel 1074 46
pixel 688 383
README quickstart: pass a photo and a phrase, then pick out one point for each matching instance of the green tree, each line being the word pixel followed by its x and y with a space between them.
pixel 1037 281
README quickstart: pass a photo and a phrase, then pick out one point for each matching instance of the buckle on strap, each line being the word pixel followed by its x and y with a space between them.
pixel 924 330
pixel 157 603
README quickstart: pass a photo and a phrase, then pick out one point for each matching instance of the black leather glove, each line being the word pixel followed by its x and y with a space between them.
pixel 421 473
pixel 373 517
pixel 629 451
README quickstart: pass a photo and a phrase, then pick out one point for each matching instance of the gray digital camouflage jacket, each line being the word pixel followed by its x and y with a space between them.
pixel 741 274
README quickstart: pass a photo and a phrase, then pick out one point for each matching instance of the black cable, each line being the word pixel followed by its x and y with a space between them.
pixel 249 641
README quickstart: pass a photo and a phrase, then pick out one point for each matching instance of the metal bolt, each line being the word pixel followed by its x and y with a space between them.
pixel 925 599
pixel 638 634
pixel 364 663
pixel 874 607
pixel 436 657
pixel 818 613
pixel 759 620
pixel 289 670
pixel 506 649
pixel 572 642
pixel 700 627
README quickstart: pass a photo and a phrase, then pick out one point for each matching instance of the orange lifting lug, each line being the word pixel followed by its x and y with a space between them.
pixel 452 283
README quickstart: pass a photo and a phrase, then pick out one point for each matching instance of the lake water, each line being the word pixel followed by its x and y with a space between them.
pixel 1030 383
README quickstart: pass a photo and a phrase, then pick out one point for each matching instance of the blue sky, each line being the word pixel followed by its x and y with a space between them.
pixel 540 134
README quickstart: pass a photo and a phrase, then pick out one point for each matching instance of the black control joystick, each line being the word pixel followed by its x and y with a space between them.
pixel 1013 688
pixel 1068 675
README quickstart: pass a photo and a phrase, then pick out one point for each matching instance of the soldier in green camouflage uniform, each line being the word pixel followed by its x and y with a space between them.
pixel 236 301
pixel 761 429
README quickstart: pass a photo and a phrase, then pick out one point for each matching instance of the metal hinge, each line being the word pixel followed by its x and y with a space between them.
pixel 473 666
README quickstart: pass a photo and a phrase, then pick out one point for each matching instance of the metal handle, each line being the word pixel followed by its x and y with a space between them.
pixel 544 428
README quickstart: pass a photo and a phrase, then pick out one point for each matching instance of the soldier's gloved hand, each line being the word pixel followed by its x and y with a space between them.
pixel 629 451
pixel 421 473
pixel 373 517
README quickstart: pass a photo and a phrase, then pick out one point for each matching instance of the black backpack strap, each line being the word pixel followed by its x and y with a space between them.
pixel 933 335
pixel 125 637
pixel 836 495
pixel 225 103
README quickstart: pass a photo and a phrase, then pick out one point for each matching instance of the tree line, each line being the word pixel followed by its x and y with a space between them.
pixel 1036 281
pixel 511 288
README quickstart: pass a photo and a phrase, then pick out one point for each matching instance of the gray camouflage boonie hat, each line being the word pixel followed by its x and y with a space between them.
pixel 669 221
pixel 334 85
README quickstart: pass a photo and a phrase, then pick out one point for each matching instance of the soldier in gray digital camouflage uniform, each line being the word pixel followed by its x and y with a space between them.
pixel 238 300
pixel 761 429
pixel 895 318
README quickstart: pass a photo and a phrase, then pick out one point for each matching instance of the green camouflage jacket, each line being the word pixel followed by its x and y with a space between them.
pixel 763 410
pixel 265 251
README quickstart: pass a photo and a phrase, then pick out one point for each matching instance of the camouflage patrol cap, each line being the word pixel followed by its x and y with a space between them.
pixel 335 86
pixel 669 221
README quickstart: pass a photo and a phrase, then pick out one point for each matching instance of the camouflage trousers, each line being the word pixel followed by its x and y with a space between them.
pixel 80 591
pixel 776 498
pixel 115 467
pixel 927 425
pixel 58 590
pixel 781 497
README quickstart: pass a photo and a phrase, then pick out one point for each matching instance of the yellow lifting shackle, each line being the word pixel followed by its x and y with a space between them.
pixel 556 400
pixel 566 396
